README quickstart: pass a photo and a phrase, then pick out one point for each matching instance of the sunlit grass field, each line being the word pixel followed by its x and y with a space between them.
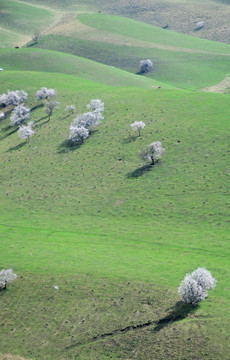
pixel 115 237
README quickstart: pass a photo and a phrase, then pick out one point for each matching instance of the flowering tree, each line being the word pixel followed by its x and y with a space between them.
pixel 5 277
pixel 78 134
pixel 70 109
pixel 190 291
pixel 145 66
pixel 19 115
pixel 13 98
pixel 25 132
pixel 50 107
pixel 204 278
pixel 137 126
pixel 96 105
pixel 152 153
pixel 45 93
pixel 1 115
pixel 193 288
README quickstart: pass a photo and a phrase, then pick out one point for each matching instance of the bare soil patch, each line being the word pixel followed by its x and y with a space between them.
pixel 11 357
pixel 219 88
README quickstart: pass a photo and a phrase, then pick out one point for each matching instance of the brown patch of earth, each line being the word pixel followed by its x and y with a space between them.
pixel 219 88
pixel 11 357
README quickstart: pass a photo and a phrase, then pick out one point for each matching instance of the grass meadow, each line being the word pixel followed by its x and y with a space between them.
pixel 116 237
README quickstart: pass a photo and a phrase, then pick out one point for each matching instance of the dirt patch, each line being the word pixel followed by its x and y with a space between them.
pixel 219 88
pixel 11 357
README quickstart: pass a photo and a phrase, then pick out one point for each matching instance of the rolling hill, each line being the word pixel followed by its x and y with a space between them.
pixel 115 238
pixel 122 43
pixel 99 241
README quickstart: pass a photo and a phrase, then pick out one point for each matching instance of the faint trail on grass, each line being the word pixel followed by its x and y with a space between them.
pixel 219 88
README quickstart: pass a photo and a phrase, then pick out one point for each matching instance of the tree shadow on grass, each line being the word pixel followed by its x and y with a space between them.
pixel 36 107
pixel 43 123
pixel 130 139
pixel 17 147
pixel 178 312
pixel 8 134
pixel 66 146
pixel 139 172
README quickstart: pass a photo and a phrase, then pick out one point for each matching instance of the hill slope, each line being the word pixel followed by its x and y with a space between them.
pixel 122 43
pixel 115 237
pixel 57 62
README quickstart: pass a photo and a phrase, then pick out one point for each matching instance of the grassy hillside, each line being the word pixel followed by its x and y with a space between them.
pixel 176 15
pixel 116 238
pixel 57 62
pixel 122 43
pixel 19 21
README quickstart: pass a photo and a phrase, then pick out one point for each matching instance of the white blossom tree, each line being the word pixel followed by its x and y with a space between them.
pixel 78 134
pixel 96 105
pixel 5 277
pixel 88 120
pixel 190 291
pixel 45 93
pixel 152 153
pixel 70 109
pixel 25 132
pixel 19 115
pixel 137 126
pixel 50 107
pixel 204 278
pixel 1 115
pixel 145 66
pixel 193 288
pixel 13 98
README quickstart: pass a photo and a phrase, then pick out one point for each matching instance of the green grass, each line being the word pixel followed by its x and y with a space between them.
pixel 190 70
pixel 117 240
pixel 23 18
pixel 57 62
pixel 141 31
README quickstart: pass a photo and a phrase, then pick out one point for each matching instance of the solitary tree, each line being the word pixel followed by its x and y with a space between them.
pixel 145 66
pixel 5 277
pixel 19 115
pixel 70 109
pixel 25 132
pixel 50 107
pixel 45 93
pixel 36 36
pixel 13 98
pixel 78 134
pixel 137 126
pixel 193 288
pixel 190 291
pixel 152 153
